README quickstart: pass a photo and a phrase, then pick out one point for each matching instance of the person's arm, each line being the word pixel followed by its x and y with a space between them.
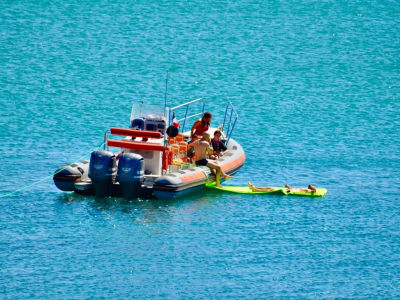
pixel 223 148
pixel 215 148
pixel 190 146
pixel 194 127
pixel 210 150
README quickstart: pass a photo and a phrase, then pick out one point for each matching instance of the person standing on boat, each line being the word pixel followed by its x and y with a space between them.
pixel 201 125
pixel 201 149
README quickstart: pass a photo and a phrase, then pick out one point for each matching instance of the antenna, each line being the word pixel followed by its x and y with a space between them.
pixel 165 112
pixel 165 95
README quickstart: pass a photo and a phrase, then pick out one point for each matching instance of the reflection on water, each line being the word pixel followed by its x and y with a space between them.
pixel 145 212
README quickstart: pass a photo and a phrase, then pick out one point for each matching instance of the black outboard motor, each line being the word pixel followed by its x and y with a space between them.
pixel 102 172
pixel 130 174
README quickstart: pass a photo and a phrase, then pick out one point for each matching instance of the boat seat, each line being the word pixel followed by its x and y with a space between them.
pixel 137 124
pixel 179 138
pixel 183 148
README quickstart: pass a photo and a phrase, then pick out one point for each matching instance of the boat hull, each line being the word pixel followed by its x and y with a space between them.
pixel 170 186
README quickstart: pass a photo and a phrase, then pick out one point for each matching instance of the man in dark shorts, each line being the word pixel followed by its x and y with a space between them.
pixel 201 149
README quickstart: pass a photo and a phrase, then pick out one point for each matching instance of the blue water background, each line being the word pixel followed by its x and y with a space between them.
pixel 316 84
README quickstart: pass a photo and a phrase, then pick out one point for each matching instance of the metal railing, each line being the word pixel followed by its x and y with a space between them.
pixel 187 105
pixel 231 111
pixel 106 139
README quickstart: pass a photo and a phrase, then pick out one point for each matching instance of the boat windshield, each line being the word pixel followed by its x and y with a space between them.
pixel 141 110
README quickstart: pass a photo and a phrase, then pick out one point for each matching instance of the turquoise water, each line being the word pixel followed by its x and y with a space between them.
pixel 316 84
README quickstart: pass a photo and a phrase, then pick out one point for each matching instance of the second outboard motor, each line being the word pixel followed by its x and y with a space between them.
pixel 130 174
pixel 102 171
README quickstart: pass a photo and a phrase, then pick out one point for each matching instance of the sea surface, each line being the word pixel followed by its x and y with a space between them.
pixel 316 85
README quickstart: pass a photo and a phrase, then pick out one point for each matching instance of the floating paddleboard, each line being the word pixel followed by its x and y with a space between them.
pixel 277 191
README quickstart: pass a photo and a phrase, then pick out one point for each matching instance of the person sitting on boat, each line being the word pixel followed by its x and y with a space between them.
pixel 194 138
pixel 201 149
pixel 201 125
pixel 190 152
pixel 218 145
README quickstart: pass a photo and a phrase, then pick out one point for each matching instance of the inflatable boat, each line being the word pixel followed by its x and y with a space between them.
pixel 149 159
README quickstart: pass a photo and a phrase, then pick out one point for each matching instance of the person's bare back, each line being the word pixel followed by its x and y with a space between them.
pixel 201 148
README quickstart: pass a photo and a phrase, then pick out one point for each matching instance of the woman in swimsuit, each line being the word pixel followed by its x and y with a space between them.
pixel 201 125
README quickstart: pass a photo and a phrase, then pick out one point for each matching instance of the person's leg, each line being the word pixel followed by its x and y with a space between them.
pixel 251 187
pixel 260 189
pixel 218 178
pixel 217 168
pixel 226 176
pixel 264 189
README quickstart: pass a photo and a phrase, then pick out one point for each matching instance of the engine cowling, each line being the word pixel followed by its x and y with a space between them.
pixel 102 171
pixel 130 174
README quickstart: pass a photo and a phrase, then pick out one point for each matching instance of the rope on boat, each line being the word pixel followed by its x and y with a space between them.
pixel 49 176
